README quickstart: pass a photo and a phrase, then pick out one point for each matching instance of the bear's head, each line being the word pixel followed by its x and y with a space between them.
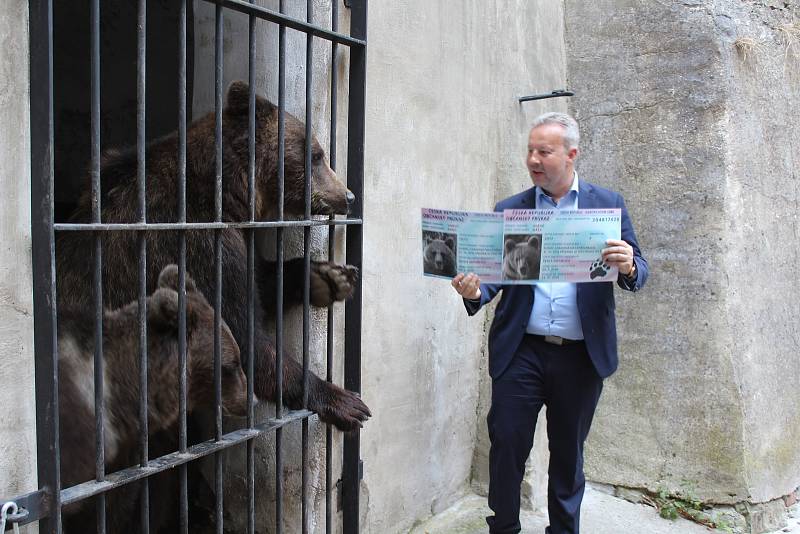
pixel 521 259
pixel 438 255
pixel 329 196
pixel 162 311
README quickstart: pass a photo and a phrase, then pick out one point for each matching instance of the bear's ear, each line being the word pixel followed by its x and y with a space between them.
pixel 510 244
pixel 450 242
pixel 533 242
pixel 237 101
pixel 169 279
pixel 162 308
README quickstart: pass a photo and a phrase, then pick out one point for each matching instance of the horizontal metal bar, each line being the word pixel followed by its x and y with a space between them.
pixel 35 504
pixel 290 22
pixel 169 461
pixel 555 94
pixel 115 227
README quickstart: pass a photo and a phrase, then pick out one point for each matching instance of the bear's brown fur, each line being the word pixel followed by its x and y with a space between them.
pixel 75 251
pixel 121 383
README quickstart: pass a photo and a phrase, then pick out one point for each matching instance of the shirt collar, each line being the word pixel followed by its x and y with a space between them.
pixel 573 187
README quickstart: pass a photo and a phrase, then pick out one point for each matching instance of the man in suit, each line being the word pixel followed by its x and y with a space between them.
pixel 550 344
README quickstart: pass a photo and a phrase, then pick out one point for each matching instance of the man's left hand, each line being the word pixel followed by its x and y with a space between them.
pixel 618 254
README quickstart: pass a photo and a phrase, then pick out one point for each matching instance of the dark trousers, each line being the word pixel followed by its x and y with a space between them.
pixel 563 379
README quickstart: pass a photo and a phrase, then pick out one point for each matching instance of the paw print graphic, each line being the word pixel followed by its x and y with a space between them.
pixel 598 268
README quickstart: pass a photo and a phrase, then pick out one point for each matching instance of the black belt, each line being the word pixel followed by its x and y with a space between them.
pixel 555 340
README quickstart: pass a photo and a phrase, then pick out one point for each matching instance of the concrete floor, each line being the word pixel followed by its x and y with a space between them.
pixel 601 514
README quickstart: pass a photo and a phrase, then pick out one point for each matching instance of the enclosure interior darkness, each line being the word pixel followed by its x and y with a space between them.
pixel 72 80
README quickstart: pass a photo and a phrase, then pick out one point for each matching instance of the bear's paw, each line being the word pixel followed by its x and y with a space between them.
pixel 331 282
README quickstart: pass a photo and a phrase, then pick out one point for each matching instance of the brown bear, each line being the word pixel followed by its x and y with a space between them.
pixel 521 257
pixel 119 194
pixel 439 254
pixel 119 198
pixel 121 384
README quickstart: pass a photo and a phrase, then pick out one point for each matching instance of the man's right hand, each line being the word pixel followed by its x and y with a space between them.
pixel 467 285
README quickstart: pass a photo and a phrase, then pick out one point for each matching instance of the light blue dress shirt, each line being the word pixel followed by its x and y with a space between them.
pixel 555 305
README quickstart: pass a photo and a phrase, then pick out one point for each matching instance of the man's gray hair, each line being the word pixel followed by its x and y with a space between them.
pixel 572 135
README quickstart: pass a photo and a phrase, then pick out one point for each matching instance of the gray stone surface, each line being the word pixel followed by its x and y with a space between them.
pixel 601 514
pixel 700 141
pixel 18 432
pixel 18 423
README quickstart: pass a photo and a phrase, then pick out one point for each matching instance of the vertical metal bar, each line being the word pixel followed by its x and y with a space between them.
pixel 251 284
pixel 141 140
pixel 306 268
pixel 142 242
pixel 279 288
pixel 182 348
pixel 43 259
pixel 331 253
pixel 355 182
pixel 218 61
pixel 99 408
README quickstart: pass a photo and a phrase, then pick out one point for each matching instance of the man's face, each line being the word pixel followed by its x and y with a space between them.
pixel 549 163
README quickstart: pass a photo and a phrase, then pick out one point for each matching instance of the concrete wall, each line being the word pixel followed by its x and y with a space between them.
pixel 444 129
pixel 700 142
pixel 18 434
pixel 763 166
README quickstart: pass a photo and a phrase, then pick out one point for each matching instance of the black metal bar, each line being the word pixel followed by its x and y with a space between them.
pixel 141 140
pixel 306 270
pixel 147 227
pixel 251 284
pixel 555 94
pixel 31 507
pixel 43 260
pixel 288 22
pixel 175 459
pixel 183 387
pixel 141 137
pixel 331 253
pixel 355 182
pixel 218 67
pixel 144 446
pixel 99 405
pixel 279 288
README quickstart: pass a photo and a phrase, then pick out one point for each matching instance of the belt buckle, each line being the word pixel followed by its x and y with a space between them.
pixel 555 340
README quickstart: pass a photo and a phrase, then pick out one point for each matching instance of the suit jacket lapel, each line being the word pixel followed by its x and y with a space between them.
pixel 528 200
pixel 586 196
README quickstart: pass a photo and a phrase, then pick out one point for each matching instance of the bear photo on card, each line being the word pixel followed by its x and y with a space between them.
pixel 522 255
pixel 439 253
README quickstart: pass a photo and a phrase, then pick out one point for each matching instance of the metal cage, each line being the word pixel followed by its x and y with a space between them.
pixel 45 505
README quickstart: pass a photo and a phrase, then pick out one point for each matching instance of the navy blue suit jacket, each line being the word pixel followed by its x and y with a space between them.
pixel 595 300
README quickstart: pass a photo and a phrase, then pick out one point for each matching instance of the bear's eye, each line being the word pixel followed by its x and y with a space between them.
pixel 316 158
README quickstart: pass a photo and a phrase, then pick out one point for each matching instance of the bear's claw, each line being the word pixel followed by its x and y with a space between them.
pixel 331 282
pixel 342 408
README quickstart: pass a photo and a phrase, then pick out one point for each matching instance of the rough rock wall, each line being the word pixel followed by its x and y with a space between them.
pixel 698 140
pixel 762 205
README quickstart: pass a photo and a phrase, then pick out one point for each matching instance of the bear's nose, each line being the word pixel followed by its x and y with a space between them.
pixel 350 197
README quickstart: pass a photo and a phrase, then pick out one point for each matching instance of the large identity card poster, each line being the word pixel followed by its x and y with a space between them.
pixel 519 246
